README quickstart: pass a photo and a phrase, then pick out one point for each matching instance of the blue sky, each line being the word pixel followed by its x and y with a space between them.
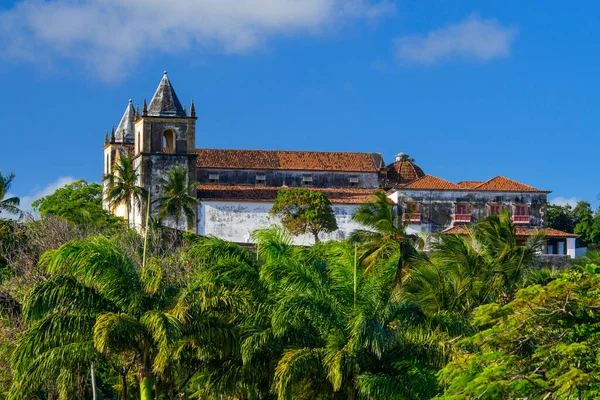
pixel 470 89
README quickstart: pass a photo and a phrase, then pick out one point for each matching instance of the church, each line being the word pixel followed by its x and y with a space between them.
pixel 236 188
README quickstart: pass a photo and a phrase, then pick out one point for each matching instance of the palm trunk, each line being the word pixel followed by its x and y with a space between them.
pixel 147 380
pixel 127 206
pixel 124 385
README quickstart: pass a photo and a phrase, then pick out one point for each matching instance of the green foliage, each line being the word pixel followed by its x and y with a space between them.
pixel 581 220
pixel 543 344
pixel 463 272
pixel 80 203
pixel 303 210
pixel 178 198
pixel 122 186
pixel 561 217
pixel 214 320
pixel 8 205
pixel 384 237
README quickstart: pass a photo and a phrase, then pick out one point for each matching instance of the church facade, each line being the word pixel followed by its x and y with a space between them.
pixel 236 188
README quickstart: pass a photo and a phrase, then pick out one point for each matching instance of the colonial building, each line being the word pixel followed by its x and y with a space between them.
pixel 237 187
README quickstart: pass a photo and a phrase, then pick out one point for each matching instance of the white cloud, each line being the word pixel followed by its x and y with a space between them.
pixel 111 37
pixel 563 201
pixel 473 38
pixel 26 201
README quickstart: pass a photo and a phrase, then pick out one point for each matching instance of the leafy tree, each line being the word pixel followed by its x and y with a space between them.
pixel 543 344
pixel 385 237
pixel 123 186
pixel 8 205
pixel 561 217
pixel 585 224
pixel 178 197
pixel 78 202
pixel 302 210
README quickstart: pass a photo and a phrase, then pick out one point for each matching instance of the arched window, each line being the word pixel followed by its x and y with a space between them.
pixel 168 141
pixel 139 144
pixel 107 165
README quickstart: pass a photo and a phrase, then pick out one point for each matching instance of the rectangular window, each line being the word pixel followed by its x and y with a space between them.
pixel 521 210
pixel 353 181
pixel 495 209
pixel 261 178
pixel 461 209
pixel 307 180
pixel 213 178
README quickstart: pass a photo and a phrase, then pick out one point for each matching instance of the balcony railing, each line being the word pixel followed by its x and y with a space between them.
pixel 415 217
pixel 462 218
pixel 520 219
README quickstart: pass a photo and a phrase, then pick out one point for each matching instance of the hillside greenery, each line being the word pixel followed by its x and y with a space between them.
pixel 372 317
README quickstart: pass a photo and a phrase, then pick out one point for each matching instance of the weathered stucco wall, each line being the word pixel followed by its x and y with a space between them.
pixel 235 221
pixel 437 208
pixel 289 178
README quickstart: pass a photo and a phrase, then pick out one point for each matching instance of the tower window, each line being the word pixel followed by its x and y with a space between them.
pixel 107 164
pixel 139 144
pixel 168 142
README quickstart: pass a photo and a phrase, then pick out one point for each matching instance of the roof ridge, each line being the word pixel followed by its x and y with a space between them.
pixel 289 151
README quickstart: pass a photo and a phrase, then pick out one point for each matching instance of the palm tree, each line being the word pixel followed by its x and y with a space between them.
pixel 464 272
pixel 385 236
pixel 346 334
pixel 178 196
pixel 123 186
pixel 11 204
pixel 96 307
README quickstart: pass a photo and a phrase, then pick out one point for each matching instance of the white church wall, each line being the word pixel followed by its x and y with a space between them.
pixel 235 221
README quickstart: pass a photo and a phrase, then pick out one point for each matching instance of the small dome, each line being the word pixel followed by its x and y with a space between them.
pixel 403 171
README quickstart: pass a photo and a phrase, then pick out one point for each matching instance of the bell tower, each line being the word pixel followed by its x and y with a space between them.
pixel 164 138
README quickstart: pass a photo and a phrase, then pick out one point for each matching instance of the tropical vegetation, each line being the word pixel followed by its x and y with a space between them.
pixel 382 315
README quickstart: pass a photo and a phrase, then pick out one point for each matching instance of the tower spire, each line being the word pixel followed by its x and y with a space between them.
pixel 145 109
pixel 112 135
pixel 106 137
pixel 192 109
pixel 137 111
pixel 165 103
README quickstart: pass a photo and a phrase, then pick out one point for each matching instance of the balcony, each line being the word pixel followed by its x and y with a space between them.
pixel 521 219
pixel 462 218
pixel 414 218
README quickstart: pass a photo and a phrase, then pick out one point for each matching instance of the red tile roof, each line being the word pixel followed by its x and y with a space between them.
pixel 547 232
pixel 497 184
pixel 268 193
pixel 500 183
pixel 286 160
pixel 430 182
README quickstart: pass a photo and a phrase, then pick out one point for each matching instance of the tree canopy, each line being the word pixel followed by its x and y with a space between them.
pixel 78 202
pixel 303 210
pixel 543 344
